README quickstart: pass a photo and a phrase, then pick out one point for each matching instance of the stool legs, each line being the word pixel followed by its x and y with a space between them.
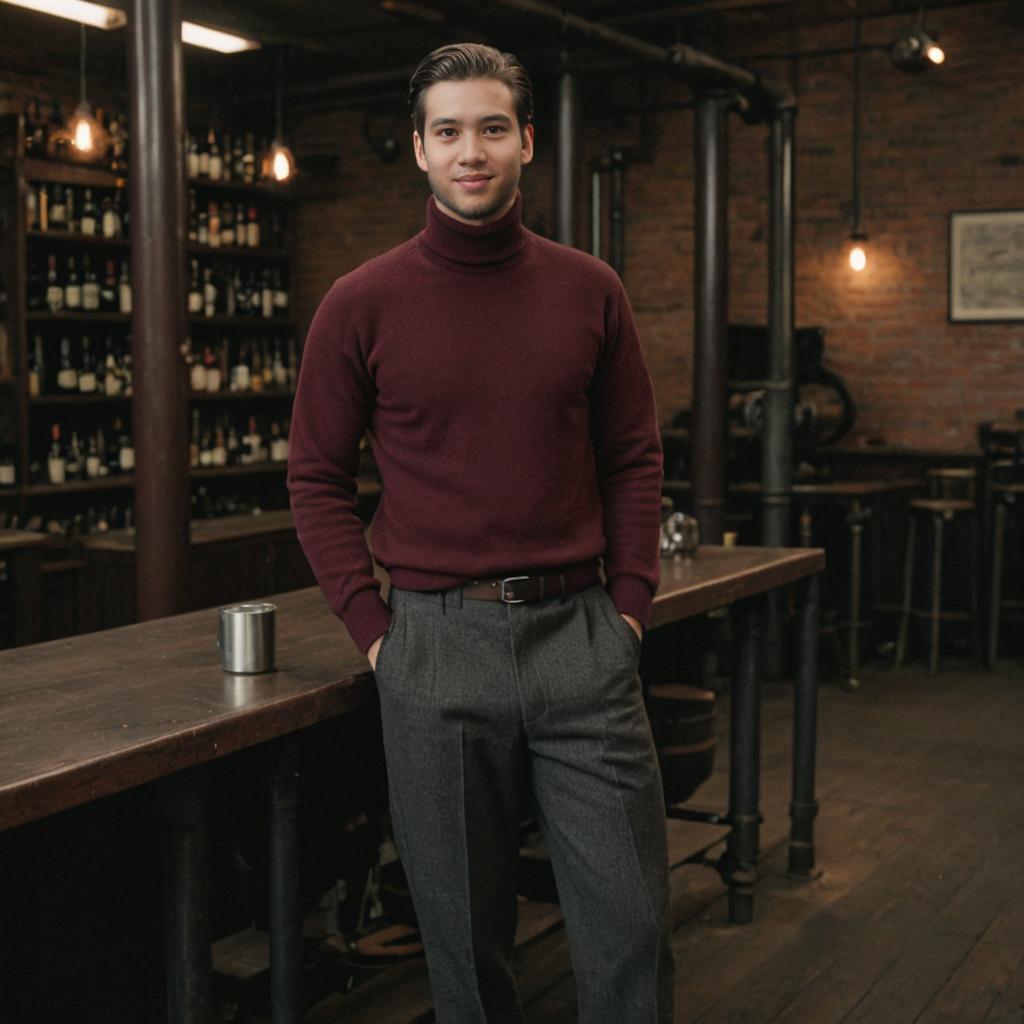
pixel 996 594
pixel 933 653
pixel 908 588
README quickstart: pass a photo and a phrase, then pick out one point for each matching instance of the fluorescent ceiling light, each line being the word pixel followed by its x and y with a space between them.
pixel 77 10
pixel 215 39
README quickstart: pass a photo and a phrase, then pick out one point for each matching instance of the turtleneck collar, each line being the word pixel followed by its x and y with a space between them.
pixel 473 247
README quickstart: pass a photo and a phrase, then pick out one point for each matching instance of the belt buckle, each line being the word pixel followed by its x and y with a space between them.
pixel 512 600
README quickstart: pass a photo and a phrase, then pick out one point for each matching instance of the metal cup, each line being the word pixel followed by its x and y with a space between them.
pixel 246 638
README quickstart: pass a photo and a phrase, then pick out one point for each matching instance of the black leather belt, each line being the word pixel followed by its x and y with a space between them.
pixel 519 589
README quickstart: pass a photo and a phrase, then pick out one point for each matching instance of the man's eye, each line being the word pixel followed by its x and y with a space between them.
pixel 446 133
pixel 495 129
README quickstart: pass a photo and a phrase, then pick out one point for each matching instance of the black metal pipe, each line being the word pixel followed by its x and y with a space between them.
pixel 286 996
pixel 617 214
pixel 803 807
pixel 777 436
pixel 710 314
pixel 159 406
pixel 744 766
pixel 679 61
pixel 565 171
pixel 183 811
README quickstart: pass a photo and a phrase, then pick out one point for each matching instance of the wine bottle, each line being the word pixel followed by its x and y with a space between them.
pixel 204 158
pixel 90 286
pixel 193 447
pixel 108 289
pixel 192 157
pixel 67 375
pixel 74 463
pixel 279 373
pixel 195 296
pixel 213 224
pixel 92 459
pixel 256 373
pixel 111 373
pixel 44 208
pixel 37 369
pixel 31 208
pixel 193 217
pixel 198 373
pixel 280 295
pixel 266 295
pixel 8 476
pixel 215 161
pixel 89 214
pixel 213 375
pixel 124 289
pixel 87 372
pixel 209 293
pixel 54 289
pixel 72 287
pixel 252 229
pixel 55 461
pixel 58 209
pixel 227 227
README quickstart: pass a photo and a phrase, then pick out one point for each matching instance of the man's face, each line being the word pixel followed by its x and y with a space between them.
pixel 472 148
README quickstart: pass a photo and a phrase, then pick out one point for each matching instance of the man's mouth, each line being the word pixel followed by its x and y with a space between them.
pixel 473 182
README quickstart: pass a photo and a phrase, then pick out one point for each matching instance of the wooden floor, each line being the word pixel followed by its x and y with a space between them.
pixel 918 915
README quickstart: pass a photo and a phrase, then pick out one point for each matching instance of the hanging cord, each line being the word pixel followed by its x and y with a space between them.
pixel 278 133
pixel 856 206
pixel 81 66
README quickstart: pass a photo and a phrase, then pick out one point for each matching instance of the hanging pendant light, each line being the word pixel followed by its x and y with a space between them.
pixel 857 255
pixel 280 163
pixel 88 138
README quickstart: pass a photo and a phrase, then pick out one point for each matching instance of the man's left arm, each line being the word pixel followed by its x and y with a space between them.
pixel 628 457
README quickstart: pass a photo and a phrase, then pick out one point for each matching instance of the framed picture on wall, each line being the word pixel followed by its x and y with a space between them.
pixel 986 265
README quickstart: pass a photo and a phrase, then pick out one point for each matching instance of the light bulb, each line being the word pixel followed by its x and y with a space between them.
pixel 858 258
pixel 282 163
pixel 83 136
pixel 935 53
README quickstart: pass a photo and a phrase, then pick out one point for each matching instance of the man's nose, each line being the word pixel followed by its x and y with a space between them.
pixel 472 152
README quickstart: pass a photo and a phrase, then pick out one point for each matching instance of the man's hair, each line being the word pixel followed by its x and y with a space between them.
pixel 459 62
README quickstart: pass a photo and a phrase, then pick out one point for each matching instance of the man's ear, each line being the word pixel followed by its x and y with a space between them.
pixel 421 156
pixel 527 149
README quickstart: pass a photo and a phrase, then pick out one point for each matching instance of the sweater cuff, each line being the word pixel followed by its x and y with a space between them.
pixel 631 596
pixel 366 617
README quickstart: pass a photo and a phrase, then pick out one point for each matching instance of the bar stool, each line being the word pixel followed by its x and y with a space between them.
pixel 952 498
pixel 1003 446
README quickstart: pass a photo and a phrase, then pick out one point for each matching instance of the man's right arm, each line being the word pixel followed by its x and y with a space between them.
pixel 333 403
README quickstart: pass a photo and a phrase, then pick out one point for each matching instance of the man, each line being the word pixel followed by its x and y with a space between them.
pixel 501 384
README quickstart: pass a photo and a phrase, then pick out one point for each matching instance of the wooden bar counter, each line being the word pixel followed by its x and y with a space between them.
pixel 95 715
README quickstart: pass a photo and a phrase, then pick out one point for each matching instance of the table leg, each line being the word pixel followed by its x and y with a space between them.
pixel 286 998
pixel 184 812
pixel 744 767
pixel 803 807
pixel 856 520
pixel 28 621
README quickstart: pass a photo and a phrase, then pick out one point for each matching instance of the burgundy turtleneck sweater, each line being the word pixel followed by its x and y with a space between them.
pixel 501 385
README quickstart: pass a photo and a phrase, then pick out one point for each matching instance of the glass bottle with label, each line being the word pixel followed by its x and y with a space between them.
pixel 72 287
pixel 90 286
pixel 37 369
pixel 54 289
pixel 195 296
pixel 124 289
pixel 90 215
pixel 55 461
pixel 87 373
pixel 67 375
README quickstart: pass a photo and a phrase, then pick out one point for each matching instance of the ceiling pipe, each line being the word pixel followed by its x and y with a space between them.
pixel 680 61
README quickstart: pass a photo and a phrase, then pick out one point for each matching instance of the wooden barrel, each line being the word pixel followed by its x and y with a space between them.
pixel 683 724
pixel 684 768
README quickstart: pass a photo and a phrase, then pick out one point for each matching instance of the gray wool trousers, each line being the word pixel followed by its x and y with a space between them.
pixel 493 712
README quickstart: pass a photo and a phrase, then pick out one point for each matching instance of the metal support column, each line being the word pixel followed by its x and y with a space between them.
pixel 744 766
pixel 803 807
pixel 286 995
pixel 777 437
pixel 710 316
pixel 183 811
pixel 159 407
pixel 565 170
pixel 617 213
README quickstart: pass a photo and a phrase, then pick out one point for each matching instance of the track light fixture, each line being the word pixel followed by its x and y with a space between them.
pixel 917 50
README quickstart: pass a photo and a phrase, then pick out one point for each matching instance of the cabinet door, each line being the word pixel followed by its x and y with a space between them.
pixel 293 571
pixel 228 572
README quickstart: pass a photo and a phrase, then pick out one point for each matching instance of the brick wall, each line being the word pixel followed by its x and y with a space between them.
pixel 950 139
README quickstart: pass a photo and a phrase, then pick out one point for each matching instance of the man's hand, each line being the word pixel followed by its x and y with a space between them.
pixel 634 625
pixel 372 651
